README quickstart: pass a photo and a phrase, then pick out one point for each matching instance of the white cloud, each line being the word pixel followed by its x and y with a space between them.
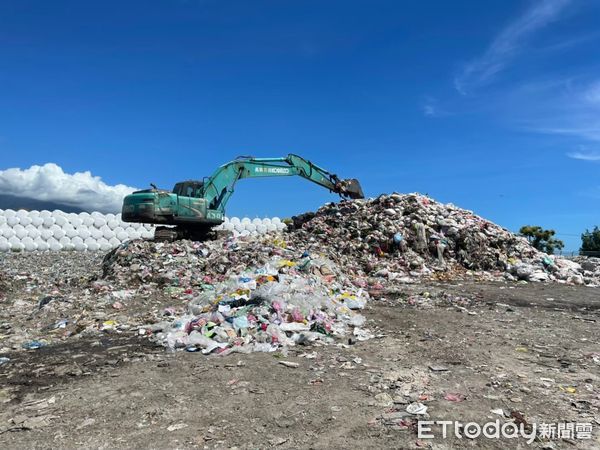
pixel 508 44
pixel 585 156
pixel 430 107
pixel 50 183
pixel 592 94
pixel 569 107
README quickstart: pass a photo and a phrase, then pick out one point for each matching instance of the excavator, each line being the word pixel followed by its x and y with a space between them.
pixel 195 207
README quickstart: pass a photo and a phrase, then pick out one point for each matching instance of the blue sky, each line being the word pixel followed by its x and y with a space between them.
pixel 493 106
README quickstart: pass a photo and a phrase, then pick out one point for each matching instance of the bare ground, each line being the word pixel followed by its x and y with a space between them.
pixel 530 350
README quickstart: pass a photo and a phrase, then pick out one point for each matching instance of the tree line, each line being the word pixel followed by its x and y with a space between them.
pixel 545 241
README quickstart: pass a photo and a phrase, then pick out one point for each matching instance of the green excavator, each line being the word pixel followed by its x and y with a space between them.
pixel 195 207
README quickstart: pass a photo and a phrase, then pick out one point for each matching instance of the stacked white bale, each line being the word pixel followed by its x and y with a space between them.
pixel 55 230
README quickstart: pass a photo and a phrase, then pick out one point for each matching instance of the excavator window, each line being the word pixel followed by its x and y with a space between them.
pixel 189 189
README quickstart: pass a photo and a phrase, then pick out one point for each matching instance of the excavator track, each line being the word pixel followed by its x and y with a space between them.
pixel 199 234
pixel 165 234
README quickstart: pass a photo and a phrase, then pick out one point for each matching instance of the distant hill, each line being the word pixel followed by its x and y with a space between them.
pixel 30 204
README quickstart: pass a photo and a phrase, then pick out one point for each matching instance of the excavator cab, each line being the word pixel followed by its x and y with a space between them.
pixel 190 188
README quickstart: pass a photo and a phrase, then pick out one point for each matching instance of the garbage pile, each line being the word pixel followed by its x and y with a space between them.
pixel 590 267
pixel 404 237
pixel 242 295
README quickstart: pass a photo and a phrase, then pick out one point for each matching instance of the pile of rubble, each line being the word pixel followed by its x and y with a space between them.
pixel 242 295
pixel 404 237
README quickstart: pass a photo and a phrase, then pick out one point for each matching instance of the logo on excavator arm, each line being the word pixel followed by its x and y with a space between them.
pixel 279 170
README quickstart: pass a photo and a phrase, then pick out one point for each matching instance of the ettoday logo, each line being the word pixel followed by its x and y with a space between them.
pixel 507 430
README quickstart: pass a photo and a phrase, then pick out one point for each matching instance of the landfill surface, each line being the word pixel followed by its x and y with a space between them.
pixel 346 330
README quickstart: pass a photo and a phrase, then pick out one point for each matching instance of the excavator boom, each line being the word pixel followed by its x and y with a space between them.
pixel 219 187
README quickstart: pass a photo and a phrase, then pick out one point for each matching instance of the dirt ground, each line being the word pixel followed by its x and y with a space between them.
pixel 529 350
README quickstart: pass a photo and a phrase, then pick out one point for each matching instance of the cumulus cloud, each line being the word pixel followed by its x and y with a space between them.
pixel 508 44
pixel 50 183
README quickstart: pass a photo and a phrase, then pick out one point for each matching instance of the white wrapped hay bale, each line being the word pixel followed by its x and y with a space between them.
pixel 107 233
pixel 99 222
pixel 48 222
pixel 88 221
pixel 12 220
pixel 4 245
pixel 96 233
pixel 261 228
pixel 92 246
pixel 114 242
pixel 57 232
pixel 37 221
pixel 20 231
pixel 29 244
pixel 70 231
pixel 147 234
pixel 55 246
pixel 60 220
pixel 42 246
pixel 75 221
pixel 33 232
pixel 46 234
pixel 25 220
pixel 15 244
pixel 8 232
pixel 83 232
pixel 121 236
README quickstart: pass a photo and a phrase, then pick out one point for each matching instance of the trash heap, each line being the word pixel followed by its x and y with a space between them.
pixel 242 295
pixel 405 237
pixel 590 266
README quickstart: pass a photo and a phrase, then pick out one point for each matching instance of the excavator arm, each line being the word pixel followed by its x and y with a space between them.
pixel 220 186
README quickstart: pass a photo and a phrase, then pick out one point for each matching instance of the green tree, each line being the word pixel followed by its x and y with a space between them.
pixel 541 239
pixel 590 240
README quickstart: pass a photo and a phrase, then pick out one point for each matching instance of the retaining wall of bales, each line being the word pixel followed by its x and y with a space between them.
pixel 55 230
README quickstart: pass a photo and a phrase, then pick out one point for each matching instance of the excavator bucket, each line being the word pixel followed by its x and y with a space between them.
pixel 350 188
